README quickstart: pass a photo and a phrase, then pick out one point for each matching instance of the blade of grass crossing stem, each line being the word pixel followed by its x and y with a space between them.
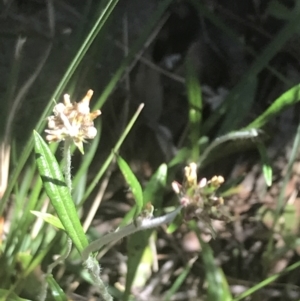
pixel 133 183
pixel 112 154
pixel 58 193
pixel 56 291
pixel 288 98
pixel 70 71
pixel 218 289
pixel 179 280
pixel 267 168
pixel 137 243
pixel 195 109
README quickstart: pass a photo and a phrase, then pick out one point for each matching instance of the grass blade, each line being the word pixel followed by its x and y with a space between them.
pixel 195 110
pixel 267 168
pixel 56 291
pixel 288 98
pixel 266 282
pixel 179 280
pixel 133 183
pixel 138 242
pixel 111 156
pixel 218 289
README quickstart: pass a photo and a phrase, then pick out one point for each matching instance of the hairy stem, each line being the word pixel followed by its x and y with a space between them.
pixel 140 224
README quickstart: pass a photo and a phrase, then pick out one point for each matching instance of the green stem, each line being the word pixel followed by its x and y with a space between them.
pixel 139 225
pixel 94 270
pixel 67 163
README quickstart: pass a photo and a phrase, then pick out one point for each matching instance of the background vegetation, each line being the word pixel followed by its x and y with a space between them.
pixel 220 85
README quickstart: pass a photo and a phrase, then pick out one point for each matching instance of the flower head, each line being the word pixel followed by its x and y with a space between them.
pixel 200 198
pixel 72 121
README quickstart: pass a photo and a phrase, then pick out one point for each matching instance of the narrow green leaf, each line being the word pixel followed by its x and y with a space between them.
pixel 154 188
pixel 267 168
pixel 49 218
pixel 218 289
pixel 242 134
pixel 152 192
pixel 133 183
pixel 58 192
pixel 144 267
pixel 267 282
pixel 288 98
pixel 195 109
pixel 182 155
pixel 137 243
pixel 179 280
pixel 109 159
pixel 56 291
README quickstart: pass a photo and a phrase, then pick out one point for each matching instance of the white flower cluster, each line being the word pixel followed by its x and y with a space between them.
pixel 73 121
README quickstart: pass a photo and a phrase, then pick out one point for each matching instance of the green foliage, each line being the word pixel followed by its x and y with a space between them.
pixel 58 192
pixel 133 183
pixel 179 280
pixel 195 110
pixel 31 243
pixel 50 219
pixel 218 288
pixel 138 242
pixel 266 164
pixel 56 291
pixel 288 98
pixel 58 91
